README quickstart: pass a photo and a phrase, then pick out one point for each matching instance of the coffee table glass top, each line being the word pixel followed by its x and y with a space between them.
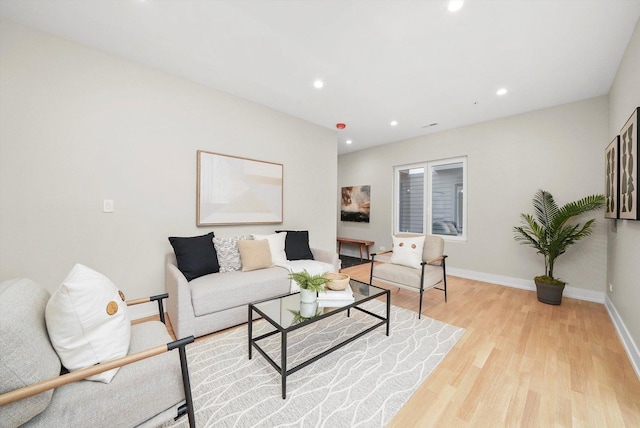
pixel 287 311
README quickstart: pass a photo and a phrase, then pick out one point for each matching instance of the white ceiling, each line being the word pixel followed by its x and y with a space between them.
pixel 410 61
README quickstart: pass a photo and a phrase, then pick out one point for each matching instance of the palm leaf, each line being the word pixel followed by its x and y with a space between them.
pixel 545 207
pixel 577 208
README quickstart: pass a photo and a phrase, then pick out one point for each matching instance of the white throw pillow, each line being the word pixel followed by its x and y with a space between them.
pixel 276 245
pixel 88 322
pixel 407 251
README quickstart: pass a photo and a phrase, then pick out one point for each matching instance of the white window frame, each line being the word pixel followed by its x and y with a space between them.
pixel 427 211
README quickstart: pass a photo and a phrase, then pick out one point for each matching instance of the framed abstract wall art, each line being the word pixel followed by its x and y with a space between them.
pixel 355 204
pixel 611 167
pixel 628 200
pixel 236 190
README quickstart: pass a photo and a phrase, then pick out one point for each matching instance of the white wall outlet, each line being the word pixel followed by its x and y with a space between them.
pixel 107 206
pixel 610 288
pixel 382 248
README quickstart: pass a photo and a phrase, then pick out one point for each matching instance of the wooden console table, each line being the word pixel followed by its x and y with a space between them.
pixel 361 242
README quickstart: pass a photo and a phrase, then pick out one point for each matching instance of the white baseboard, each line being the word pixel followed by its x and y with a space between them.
pixel 627 341
pixel 526 284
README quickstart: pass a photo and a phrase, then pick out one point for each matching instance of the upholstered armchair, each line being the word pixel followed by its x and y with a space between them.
pixel 150 388
pixel 416 262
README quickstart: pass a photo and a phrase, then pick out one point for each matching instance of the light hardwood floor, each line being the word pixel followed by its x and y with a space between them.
pixel 520 362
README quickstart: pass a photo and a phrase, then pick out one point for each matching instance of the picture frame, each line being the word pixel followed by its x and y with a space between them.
pixel 237 190
pixel 629 171
pixel 355 203
pixel 612 178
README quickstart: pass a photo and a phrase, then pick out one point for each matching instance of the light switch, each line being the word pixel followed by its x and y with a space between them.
pixel 107 206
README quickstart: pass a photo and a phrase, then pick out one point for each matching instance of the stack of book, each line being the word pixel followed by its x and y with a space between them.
pixel 335 298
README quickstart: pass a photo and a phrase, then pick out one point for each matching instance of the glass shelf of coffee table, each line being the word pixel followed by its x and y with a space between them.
pixel 286 314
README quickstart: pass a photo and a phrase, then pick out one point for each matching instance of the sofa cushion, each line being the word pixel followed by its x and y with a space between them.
pixel 27 356
pixel 88 322
pixel 131 398
pixel 213 293
pixel 276 246
pixel 196 255
pixel 254 254
pixel 297 245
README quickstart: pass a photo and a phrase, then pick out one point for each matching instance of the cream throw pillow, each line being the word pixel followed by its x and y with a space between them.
pixel 88 322
pixel 276 246
pixel 254 254
pixel 407 251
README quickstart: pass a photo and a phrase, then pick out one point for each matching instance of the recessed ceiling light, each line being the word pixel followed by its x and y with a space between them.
pixel 501 91
pixel 318 84
pixel 348 141
pixel 394 123
pixel 455 5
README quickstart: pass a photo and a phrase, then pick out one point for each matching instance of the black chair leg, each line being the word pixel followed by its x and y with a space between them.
pixel 420 310
pixel 444 276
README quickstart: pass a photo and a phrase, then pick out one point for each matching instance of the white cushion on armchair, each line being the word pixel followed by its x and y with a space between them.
pixel 88 322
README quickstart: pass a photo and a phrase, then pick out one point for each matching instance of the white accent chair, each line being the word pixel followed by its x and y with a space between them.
pixel 432 271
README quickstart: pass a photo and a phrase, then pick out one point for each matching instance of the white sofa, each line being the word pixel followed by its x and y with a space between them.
pixel 219 300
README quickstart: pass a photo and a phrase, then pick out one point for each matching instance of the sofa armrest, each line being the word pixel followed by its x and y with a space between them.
pixel 179 306
pixel 326 256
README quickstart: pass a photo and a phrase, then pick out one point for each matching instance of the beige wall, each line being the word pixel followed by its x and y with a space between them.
pixel 78 126
pixel 558 149
pixel 623 270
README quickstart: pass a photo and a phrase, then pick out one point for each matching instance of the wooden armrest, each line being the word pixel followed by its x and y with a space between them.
pixel 147 299
pixel 37 388
pixel 437 259
pixel 159 298
pixel 382 252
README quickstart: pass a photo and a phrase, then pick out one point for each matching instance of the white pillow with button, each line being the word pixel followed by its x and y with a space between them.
pixel 88 322
pixel 407 251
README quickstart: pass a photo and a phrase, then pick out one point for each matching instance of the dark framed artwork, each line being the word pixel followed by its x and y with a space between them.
pixel 355 205
pixel 612 179
pixel 236 190
pixel 628 200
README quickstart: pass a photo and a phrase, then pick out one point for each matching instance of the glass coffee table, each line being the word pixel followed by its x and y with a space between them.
pixel 286 313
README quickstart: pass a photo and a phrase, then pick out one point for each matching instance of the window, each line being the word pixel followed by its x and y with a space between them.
pixel 430 198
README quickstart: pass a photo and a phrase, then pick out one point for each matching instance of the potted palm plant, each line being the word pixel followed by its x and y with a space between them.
pixel 550 233
pixel 309 284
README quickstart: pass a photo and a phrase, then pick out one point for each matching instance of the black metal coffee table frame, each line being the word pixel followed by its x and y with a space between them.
pixel 373 292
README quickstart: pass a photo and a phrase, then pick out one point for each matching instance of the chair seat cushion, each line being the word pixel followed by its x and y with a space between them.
pixel 138 392
pixel 403 276
pixel 27 356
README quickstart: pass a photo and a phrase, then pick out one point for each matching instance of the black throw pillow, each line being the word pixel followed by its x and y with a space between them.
pixel 196 255
pixel 296 245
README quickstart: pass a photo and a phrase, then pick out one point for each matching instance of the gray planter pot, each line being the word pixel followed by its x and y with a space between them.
pixel 549 293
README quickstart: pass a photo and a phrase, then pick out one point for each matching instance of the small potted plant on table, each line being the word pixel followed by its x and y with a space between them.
pixel 309 285
pixel 550 235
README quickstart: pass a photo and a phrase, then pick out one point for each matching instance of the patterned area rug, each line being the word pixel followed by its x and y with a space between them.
pixel 363 384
